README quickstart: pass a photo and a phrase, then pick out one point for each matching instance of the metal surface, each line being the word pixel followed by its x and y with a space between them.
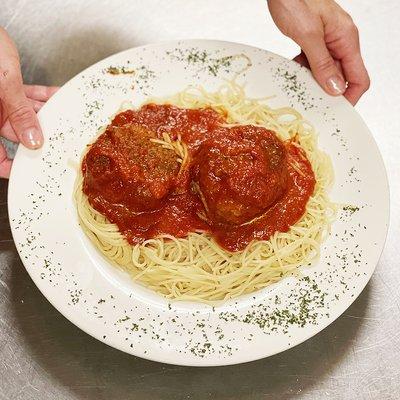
pixel 43 356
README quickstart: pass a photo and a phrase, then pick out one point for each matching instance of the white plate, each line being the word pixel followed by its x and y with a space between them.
pixel 104 302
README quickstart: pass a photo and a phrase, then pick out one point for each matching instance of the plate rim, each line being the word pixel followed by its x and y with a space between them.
pixel 12 187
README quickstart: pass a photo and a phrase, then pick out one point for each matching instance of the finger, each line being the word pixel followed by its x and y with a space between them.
pixel 322 64
pixel 357 77
pixel 38 92
pixel 5 163
pixel 340 69
pixel 23 120
pixel 302 60
pixel 7 132
pixel 17 108
pixel 344 44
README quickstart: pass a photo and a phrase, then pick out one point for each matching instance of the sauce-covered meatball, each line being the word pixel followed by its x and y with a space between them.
pixel 125 168
pixel 241 172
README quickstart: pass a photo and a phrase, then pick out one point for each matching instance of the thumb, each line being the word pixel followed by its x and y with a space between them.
pixel 18 109
pixel 24 121
pixel 323 66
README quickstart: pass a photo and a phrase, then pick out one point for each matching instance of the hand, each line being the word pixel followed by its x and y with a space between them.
pixel 18 104
pixel 329 42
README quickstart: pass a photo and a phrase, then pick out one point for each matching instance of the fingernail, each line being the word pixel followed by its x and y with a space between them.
pixel 32 138
pixel 336 85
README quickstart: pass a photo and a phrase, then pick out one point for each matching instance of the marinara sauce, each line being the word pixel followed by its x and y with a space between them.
pixel 239 183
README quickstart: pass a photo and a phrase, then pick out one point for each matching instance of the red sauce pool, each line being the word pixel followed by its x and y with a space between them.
pixel 239 184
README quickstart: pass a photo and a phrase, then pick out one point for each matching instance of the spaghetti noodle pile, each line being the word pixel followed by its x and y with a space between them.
pixel 196 268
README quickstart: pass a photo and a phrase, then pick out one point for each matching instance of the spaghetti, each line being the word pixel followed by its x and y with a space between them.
pixel 196 267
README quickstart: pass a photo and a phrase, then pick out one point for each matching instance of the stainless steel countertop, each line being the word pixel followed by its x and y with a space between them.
pixel 43 356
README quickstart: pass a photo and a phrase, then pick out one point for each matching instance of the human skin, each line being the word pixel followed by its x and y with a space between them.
pixel 19 103
pixel 329 42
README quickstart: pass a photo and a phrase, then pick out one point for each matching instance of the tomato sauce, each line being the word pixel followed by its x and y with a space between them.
pixel 238 185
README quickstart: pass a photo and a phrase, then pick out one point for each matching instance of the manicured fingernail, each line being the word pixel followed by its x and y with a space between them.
pixel 32 138
pixel 336 85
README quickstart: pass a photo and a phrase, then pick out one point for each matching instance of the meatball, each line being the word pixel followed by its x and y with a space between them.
pixel 125 168
pixel 241 173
